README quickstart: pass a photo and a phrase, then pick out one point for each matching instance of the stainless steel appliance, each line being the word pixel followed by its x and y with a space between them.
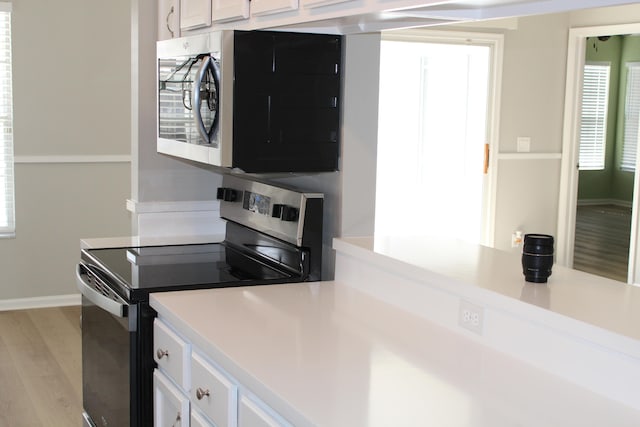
pixel 273 235
pixel 258 101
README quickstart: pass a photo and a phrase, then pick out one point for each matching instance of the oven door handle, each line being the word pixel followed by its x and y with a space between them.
pixel 117 308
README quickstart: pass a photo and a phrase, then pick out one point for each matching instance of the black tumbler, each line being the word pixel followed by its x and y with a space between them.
pixel 537 257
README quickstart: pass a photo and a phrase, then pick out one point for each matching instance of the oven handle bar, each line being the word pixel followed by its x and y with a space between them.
pixel 117 308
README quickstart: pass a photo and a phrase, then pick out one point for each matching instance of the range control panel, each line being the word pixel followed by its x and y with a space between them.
pixel 265 207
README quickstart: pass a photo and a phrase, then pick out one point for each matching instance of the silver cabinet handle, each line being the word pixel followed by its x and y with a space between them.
pixel 168 17
pixel 200 393
pixel 162 353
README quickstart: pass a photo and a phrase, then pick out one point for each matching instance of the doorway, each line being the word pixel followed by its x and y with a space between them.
pixel 603 197
pixel 438 102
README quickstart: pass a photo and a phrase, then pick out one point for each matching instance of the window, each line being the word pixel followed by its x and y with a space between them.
pixel 631 116
pixel 593 129
pixel 7 217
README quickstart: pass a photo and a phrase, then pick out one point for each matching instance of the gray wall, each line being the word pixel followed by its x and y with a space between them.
pixel 71 74
pixel 533 105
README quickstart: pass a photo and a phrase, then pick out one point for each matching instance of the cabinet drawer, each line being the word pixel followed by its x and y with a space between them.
pixel 171 406
pixel 254 413
pixel 213 393
pixel 171 353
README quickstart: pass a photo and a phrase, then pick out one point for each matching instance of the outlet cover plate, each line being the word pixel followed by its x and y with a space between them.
pixel 471 317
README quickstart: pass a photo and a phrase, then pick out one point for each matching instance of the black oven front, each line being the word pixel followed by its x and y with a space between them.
pixel 117 322
pixel 116 356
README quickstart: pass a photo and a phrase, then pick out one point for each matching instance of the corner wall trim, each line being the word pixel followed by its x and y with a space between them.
pixel 40 302
pixel 73 159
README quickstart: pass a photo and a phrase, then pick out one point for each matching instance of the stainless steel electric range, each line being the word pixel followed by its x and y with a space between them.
pixel 273 235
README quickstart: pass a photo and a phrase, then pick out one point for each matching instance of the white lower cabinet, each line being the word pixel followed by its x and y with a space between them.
pixel 213 393
pixel 190 389
pixel 170 405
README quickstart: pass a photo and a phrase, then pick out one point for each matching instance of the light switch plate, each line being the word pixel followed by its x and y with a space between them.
pixel 523 144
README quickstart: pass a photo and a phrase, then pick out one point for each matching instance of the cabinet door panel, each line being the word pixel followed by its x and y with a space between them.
pixel 195 14
pixel 318 3
pixel 266 7
pixel 171 353
pixel 229 10
pixel 168 19
pixel 171 407
pixel 213 393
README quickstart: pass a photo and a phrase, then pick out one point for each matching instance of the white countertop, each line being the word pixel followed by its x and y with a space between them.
pixel 343 358
pixel 597 301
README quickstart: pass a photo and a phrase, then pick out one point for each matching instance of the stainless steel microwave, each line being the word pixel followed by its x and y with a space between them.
pixel 259 101
pixel 195 89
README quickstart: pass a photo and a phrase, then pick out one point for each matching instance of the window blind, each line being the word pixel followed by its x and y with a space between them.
pixel 593 128
pixel 7 210
pixel 631 116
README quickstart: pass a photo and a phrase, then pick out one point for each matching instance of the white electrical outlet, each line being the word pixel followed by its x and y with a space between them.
pixel 471 317
pixel 516 239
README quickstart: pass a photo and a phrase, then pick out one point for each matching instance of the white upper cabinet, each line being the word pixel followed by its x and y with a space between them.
pixel 195 14
pixel 343 16
pixel 229 10
pixel 168 19
pixel 267 7
pixel 318 3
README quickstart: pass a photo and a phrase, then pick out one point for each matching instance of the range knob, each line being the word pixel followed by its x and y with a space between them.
pixel 227 194
pixel 285 212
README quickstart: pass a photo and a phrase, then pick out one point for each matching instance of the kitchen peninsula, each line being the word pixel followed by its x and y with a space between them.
pixel 383 345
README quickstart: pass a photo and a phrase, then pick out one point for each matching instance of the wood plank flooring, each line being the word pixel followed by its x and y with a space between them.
pixel 602 240
pixel 40 368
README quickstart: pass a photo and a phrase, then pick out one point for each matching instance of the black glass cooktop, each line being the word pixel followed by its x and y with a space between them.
pixel 136 271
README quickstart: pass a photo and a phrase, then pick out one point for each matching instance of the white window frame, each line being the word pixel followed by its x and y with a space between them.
pixel 7 200
pixel 631 118
pixel 595 103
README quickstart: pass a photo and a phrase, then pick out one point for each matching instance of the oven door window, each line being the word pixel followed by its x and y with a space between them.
pixel 188 96
pixel 105 366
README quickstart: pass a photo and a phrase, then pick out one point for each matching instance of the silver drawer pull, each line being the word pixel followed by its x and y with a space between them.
pixel 200 393
pixel 162 353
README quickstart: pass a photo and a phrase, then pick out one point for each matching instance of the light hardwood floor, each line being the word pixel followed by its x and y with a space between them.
pixel 602 240
pixel 40 368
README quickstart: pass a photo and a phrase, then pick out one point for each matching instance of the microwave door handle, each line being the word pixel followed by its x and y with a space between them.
pixel 117 308
pixel 197 98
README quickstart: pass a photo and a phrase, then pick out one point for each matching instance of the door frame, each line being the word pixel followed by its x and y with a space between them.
pixel 568 195
pixel 496 44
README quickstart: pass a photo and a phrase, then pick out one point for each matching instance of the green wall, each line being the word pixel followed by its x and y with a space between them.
pixel 612 183
pixel 622 185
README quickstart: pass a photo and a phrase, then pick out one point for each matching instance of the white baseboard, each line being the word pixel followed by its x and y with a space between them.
pixel 40 302
pixel 615 202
